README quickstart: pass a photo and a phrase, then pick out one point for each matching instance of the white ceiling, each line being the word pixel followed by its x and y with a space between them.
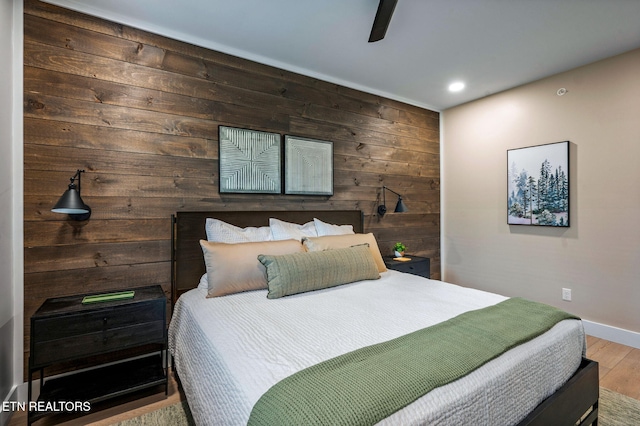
pixel 491 45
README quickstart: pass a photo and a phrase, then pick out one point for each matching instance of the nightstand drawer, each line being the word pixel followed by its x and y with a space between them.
pixel 416 265
pixel 107 340
pixel 418 268
pixel 70 326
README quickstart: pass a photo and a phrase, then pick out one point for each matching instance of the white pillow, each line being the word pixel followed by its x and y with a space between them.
pixel 281 230
pixel 219 231
pixel 204 282
pixel 324 228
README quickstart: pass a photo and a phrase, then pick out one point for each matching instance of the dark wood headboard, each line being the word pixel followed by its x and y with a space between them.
pixel 187 262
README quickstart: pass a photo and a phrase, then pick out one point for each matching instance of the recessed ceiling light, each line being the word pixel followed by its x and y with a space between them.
pixel 456 87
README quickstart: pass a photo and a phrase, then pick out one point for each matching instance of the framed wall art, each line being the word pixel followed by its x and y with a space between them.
pixel 308 166
pixel 250 161
pixel 538 185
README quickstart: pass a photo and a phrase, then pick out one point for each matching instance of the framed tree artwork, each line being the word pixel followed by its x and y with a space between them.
pixel 538 185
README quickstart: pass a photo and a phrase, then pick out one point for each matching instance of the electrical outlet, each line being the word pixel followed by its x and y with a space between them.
pixel 566 294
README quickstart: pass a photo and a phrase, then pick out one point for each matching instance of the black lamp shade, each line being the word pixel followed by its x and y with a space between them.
pixel 71 203
pixel 400 207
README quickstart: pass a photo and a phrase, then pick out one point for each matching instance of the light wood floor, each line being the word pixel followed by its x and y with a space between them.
pixel 619 367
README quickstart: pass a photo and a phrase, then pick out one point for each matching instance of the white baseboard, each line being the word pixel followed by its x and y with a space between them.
pixel 613 334
pixel 17 394
pixel 5 416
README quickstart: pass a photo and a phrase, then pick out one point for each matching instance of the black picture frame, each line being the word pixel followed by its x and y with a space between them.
pixel 308 166
pixel 538 185
pixel 250 161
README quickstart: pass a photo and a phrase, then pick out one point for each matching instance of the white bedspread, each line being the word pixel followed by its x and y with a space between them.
pixel 229 350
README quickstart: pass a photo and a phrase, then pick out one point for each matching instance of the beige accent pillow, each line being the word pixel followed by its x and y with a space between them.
pixel 302 272
pixel 233 268
pixel 331 242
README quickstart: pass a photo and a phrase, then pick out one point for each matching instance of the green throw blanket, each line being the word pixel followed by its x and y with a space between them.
pixel 365 386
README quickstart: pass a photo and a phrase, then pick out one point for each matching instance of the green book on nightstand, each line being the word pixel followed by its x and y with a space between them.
pixel 108 297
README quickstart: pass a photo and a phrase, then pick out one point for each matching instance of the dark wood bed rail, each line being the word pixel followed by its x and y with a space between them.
pixel 575 403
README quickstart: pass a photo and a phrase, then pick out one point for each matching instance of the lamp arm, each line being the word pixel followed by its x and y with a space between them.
pixel 384 187
pixel 77 175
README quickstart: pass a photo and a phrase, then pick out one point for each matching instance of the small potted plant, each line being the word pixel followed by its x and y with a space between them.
pixel 399 249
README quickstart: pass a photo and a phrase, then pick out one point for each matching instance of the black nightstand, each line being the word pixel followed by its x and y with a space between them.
pixel 63 329
pixel 416 266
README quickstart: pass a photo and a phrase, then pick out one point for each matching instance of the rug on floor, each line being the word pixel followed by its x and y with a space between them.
pixel 177 414
pixel 617 410
pixel 614 410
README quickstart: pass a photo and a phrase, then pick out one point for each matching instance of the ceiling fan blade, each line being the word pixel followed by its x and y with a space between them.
pixel 383 17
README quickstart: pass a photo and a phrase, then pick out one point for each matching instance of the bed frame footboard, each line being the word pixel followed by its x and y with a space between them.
pixel 575 403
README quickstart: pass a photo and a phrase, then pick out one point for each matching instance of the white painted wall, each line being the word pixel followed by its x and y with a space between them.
pixel 17 172
pixel 6 201
pixel 598 257
pixel 11 216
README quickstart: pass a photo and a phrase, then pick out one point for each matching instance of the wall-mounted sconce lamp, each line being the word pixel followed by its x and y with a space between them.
pixel 71 203
pixel 400 207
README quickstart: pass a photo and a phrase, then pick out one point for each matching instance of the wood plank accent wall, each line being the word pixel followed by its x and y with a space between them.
pixel 140 113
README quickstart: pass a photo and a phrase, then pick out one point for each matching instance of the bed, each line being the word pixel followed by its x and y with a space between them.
pixel 228 351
